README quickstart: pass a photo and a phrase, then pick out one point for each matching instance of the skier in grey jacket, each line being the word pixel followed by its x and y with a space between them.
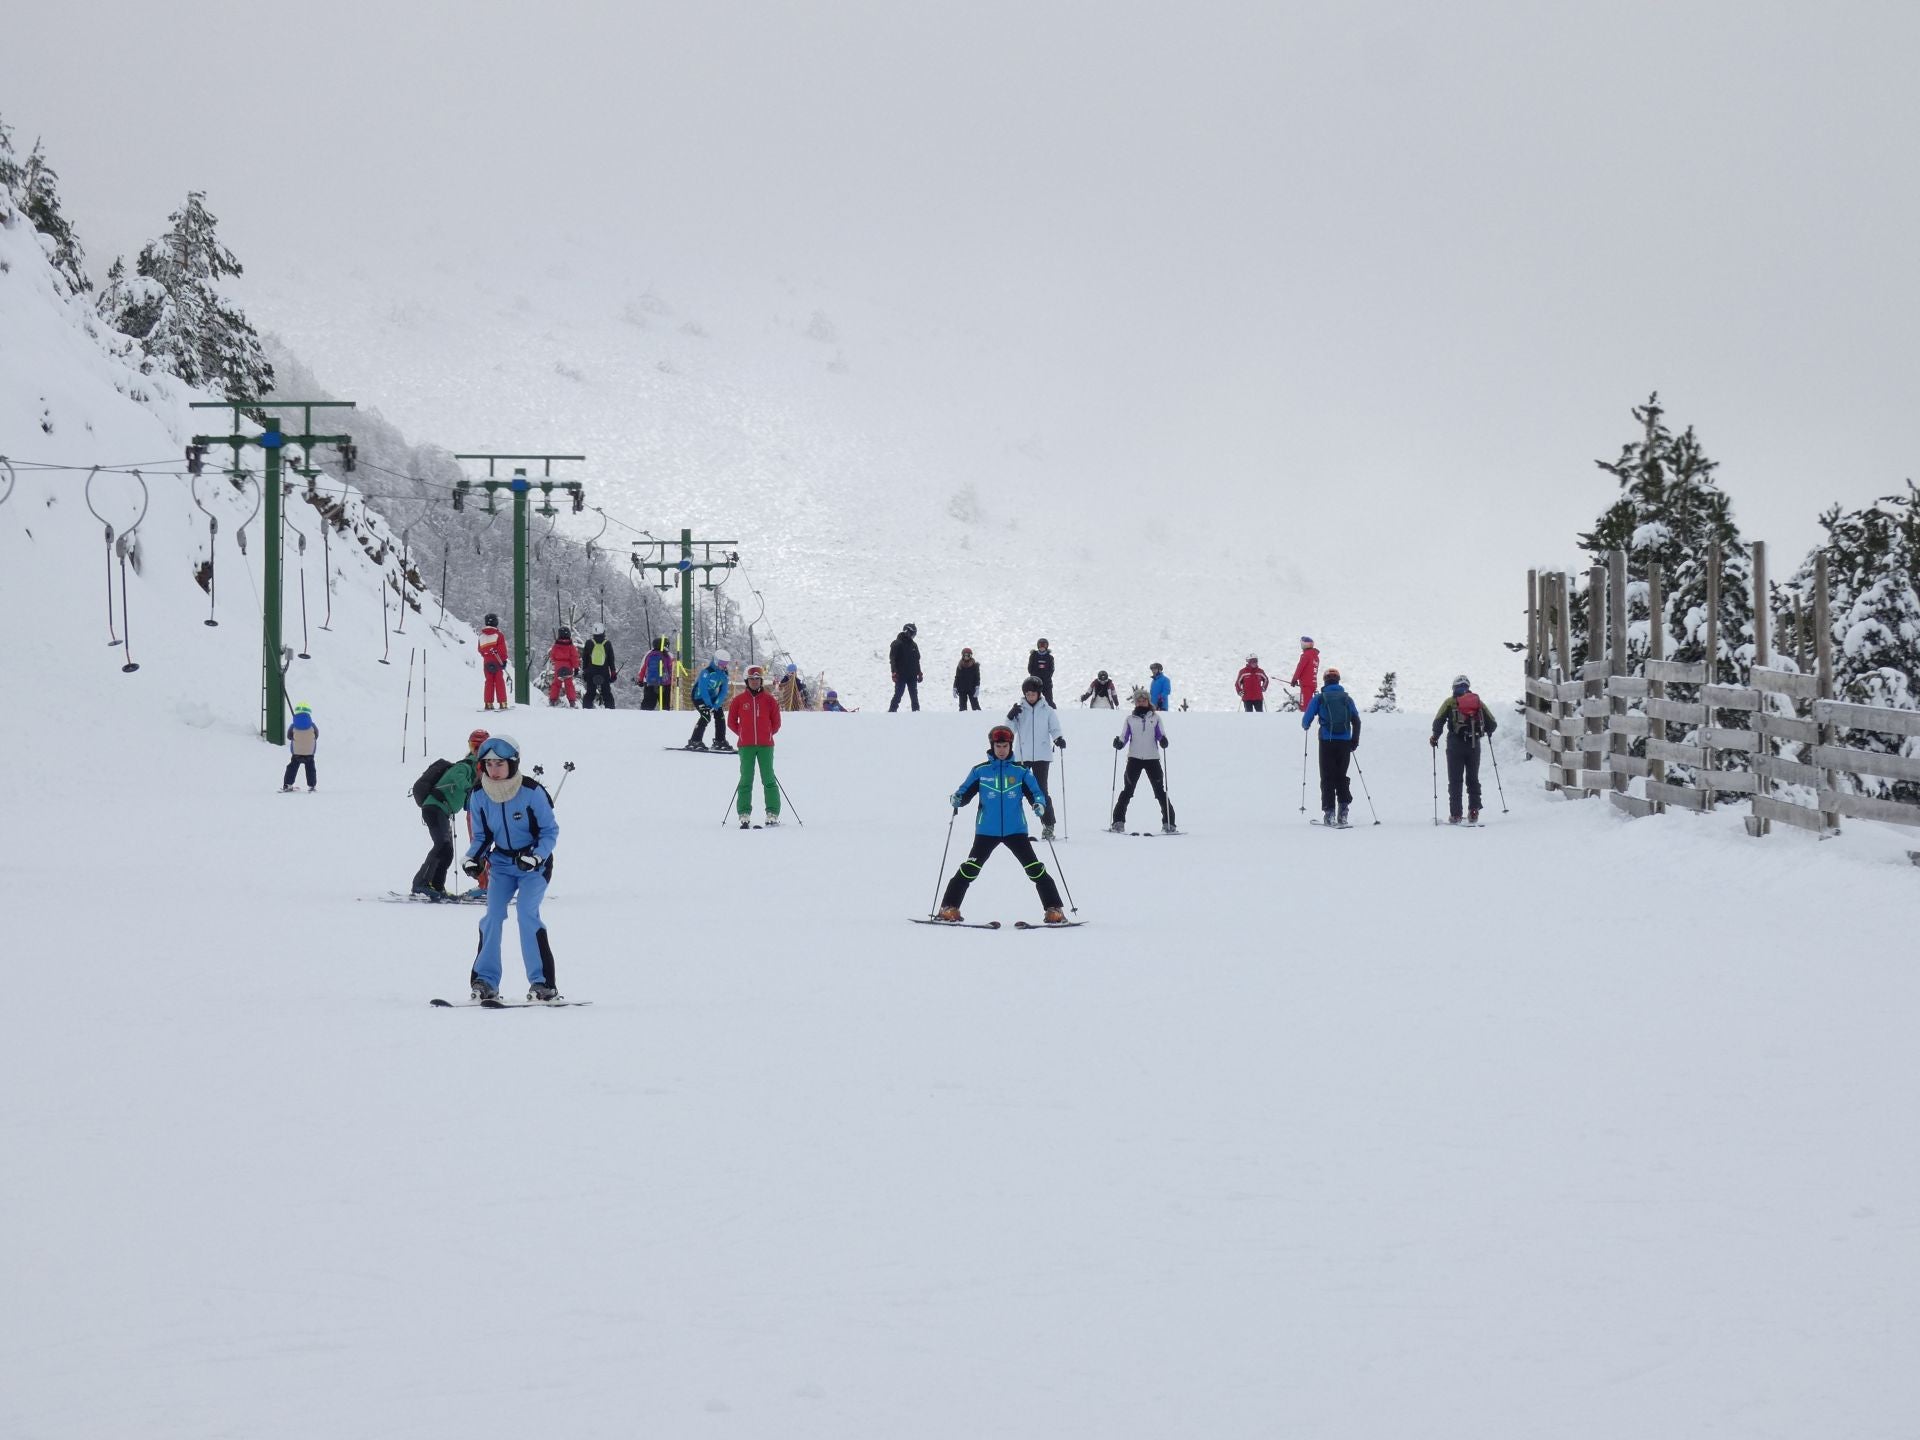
pixel 1143 738
pixel 1036 735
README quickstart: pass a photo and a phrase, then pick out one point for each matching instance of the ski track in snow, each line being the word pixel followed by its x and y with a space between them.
pixel 1382 1135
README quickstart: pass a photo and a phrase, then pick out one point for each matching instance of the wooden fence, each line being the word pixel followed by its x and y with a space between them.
pixel 1673 736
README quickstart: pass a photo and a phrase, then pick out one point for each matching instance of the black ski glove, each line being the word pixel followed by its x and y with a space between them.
pixel 528 861
pixel 473 868
pixel 1118 742
pixel 1163 742
pixel 1059 742
pixel 1014 714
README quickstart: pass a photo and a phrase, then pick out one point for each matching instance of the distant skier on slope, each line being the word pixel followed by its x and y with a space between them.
pixel 600 668
pixel 303 739
pixel 1036 730
pixel 564 657
pixel 1002 785
pixel 1465 718
pixel 441 792
pixel 1339 737
pixel 514 831
pixel 833 705
pixel 1102 693
pixel 1160 692
pixel 494 660
pixel 710 689
pixel 966 680
pixel 656 677
pixel 903 660
pixel 1306 674
pixel 791 691
pixel 1251 685
pixel 1142 737
pixel 755 717
pixel 1040 666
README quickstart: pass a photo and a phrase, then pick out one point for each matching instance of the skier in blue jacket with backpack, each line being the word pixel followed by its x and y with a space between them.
pixel 514 833
pixel 1003 786
pixel 1339 738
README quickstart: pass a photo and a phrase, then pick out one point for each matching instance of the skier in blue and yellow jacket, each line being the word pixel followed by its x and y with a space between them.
pixel 514 833
pixel 1003 786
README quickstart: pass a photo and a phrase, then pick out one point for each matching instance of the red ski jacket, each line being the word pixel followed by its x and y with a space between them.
pixel 1251 683
pixel 753 718
pixel 493 649
pixel 565 658
pixel 1307 674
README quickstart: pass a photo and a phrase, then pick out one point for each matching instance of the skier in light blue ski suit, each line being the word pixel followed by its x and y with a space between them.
pixel 514 833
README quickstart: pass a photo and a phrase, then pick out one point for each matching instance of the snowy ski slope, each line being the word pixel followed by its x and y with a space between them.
pixel 1349 1134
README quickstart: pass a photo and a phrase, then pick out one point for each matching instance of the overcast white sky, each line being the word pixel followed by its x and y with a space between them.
pixel 1409 263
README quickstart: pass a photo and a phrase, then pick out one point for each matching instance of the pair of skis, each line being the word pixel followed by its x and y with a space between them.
pixel 498 1004
pixel 992 924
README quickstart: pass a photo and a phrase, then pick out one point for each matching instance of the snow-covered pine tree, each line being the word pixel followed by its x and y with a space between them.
pixel 1873 585
pixel 9 175
pixel 1669 509
pixel 1386 700
pixel 172 308
pixel 38 188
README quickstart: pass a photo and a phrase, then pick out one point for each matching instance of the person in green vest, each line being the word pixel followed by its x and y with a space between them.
pixel 598 667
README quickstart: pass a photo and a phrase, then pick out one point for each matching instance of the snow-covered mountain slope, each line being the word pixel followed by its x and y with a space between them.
pixel 879 465
pixel 1386 1131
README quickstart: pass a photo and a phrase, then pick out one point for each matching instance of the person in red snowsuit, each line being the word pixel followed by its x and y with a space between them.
pixel 565 659
pixel 754 715
pixel 1251 685
pixel 493 659
pixel 1307 673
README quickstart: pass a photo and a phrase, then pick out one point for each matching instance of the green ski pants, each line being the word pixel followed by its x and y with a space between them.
pixel 769 787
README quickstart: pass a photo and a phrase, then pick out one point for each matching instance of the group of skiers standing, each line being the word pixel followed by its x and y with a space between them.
pixel 1252 683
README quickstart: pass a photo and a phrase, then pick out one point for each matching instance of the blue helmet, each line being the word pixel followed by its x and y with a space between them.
pixel 500 747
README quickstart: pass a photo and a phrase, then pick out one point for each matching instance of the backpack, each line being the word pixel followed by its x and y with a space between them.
pixel 1332 701
pixel 429 778
pixel 1466 714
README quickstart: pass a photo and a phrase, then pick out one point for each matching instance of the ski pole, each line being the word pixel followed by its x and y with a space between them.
pixel 1063 878
pixel 407 715
pixel 1496 775
pixel 941 873
pixel 1355 752
pixel 1436 783
pixel 1303 770
pixel 566 769
pixel 733 797
pixel 1113 782
pixel 1063 787
pixel 423 691
pixel 787 800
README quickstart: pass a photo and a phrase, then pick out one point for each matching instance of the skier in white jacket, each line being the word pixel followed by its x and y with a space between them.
pixel 1036 735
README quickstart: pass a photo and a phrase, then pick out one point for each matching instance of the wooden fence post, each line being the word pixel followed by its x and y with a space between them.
pixel 1656 689
pixel 1763 656
pixel 1617 657
pixel 1594 671
pixel 1823 652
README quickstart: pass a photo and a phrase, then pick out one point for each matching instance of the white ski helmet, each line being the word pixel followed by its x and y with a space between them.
pixel 721 657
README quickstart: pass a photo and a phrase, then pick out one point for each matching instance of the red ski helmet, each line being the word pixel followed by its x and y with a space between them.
pixel 475 740
pixel 1000 735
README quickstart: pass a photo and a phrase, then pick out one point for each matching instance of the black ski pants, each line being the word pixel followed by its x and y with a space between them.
pixel 1021 847
pixel 432 874
pixel 1335 788
pixel 719 718
pixel 650 697
pixel 293 766
pixel 599 687
pixel 1463 762
pixel 970 700
pixel 1040 769
pixel 1260 705
pixel 1151 769
pixel 910 687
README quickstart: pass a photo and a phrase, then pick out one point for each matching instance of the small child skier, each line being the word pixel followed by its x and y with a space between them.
pixel 303 738
pixel 1002 785
pixel 493 660
pixel 565 659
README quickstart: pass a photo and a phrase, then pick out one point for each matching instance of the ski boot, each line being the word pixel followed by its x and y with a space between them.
pixel 1326 818
pixel 1167 827
pixel 1473 817
pixel 1046 832
pixel 696 745
pixel 1341 818
pixel 286 789
pixel 1055 916
pixel 542 993
pixel 1453 819
pixel 1118 827
pixel 950 914
pixel 723 748
pixel 773 822
pixel 483 991
pixel 746 822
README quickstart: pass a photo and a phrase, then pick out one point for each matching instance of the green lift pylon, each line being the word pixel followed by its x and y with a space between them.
pixel 519 485
pixel 684 566
pixel 272 440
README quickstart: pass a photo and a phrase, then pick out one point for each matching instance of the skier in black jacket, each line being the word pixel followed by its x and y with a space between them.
pixel 599 667
pixel 903 658
pixel 1040 666
pixel 966 680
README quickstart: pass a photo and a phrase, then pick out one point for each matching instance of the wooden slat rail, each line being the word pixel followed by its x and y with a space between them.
pixel 1786 682
pixel 1737 782
pixel 1788 772
pixel 1685 796
pixel 1629 725
pixel 1721 737
pixel 1730 697
pixel 1785 727
pixel 1677 711
pixel 1787 813
pixel 1629 764
pixel 1632 804
pixel 1676 672
pixel 1627 687
pixel 1542 689
pixel 1867 717
pixel 1865 762
pixel 1658 749
pixel 1570 690
pixel 1595 708
pixel 1866 807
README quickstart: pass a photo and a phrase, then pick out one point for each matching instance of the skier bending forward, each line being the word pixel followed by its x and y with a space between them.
pixel 1002 785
